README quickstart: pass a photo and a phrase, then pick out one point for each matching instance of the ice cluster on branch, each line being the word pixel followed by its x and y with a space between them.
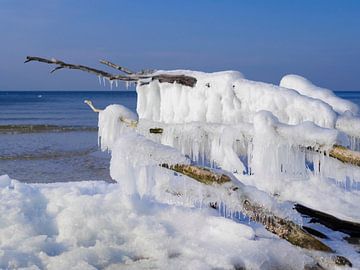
pixel 307 88
pixel 226 97
pixel 265 135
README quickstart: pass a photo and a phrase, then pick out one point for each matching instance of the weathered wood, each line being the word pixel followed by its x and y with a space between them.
pixel 129 122
pixel 334 223
pixel 90 104
pixel 62 65
pixel 345 155
pixel 115 66
pixel 129 76
pixel 200 174
pixel 156 130
pixel 285 229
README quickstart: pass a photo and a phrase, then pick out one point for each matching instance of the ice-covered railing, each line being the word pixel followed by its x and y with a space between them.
pixel 273 155
pixel 228 98
pixel 267 148
pixel 243 126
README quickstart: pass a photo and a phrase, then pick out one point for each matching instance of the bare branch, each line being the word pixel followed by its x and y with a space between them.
pixel 89 102
pixel 129 77
pixel 123 69
pixel 55 69
pixel 62 64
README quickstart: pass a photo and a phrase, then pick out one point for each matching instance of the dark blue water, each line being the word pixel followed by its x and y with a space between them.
pixel 353 96
pixel 52 136
pixel 58 108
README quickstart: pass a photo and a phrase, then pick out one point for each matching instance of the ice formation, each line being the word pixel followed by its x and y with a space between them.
pixel 226 97
pixel 111 124
pixel 93 225
pixel 260 132
pixel 272 140
pixel 307 88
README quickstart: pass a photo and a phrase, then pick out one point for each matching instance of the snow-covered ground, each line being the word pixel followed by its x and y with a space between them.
pixel 257 133
pixel 94 225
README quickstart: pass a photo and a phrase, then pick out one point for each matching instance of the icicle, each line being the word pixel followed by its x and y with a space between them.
pixel 111 84
pixel 99 77
pixel 104 80
pixel 116 83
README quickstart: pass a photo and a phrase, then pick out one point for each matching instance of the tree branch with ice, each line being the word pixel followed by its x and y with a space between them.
pixel 143 77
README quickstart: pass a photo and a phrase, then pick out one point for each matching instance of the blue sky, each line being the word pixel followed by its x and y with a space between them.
pixel 319 39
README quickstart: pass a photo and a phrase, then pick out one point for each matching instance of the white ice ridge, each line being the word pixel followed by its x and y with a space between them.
pixel 111 126
pixel 226 97
pixel 267 148
pixel 279 151
pixel 227 146
pixel 349 123
pixel 307 88
pixel 132 151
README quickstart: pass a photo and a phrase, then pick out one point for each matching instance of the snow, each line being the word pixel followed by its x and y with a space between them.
pixel 350 124
pixel 94 225
pixel 226 97
pixel 111 126
pixel 276 149
pixel 307 88
pixel 261 135
pixel 271 140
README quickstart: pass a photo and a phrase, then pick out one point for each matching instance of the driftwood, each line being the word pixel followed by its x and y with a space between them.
pixel 156 130
pixel 128 122
pixel 142 77
pixel 345 155
pixel 283 228
pixel 90 104
pixel 334 223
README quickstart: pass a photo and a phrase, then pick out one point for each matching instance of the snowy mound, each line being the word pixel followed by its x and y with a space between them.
pixel 226 97
pixel 111 124
pixel 307 88
pixel 93 225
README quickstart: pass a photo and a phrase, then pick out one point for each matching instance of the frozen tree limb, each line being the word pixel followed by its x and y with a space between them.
pixel 129 122
pixel 334 223
pixel 142 77
pixel 283 228
pixel 89 102
pixel 345 155
pixel 338 152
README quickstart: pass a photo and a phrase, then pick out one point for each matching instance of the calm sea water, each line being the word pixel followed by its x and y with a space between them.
pixel 51 136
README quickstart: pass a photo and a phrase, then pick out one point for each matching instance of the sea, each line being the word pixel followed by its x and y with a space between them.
pixel 51 136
